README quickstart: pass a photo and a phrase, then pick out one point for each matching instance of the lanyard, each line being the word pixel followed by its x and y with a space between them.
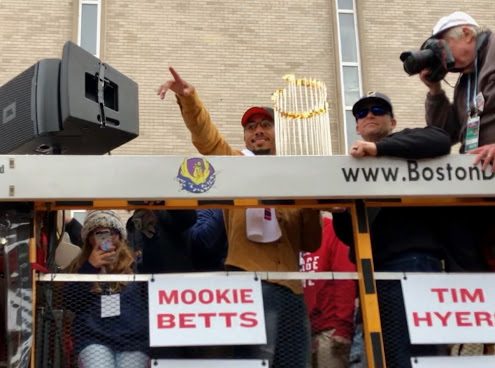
pixel 468 94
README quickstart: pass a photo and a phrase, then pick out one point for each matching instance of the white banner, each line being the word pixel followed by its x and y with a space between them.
pixel 210 363
pixel 454 362
pixel 225 177
pixel 196 310
pixel 443 308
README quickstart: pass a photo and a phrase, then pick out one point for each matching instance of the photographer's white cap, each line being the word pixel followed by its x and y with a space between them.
pixel 455 19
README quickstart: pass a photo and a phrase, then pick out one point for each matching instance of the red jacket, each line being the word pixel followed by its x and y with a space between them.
pixel 330 303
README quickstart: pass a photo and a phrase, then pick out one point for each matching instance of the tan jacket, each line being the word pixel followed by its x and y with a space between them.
pixel 300 228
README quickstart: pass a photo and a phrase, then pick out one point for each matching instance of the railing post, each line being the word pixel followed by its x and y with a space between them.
pixel 367 287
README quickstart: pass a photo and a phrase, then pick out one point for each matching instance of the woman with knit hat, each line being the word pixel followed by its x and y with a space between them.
pixel 110 327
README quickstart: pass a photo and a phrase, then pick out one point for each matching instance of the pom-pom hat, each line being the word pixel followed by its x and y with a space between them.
pixel 104 218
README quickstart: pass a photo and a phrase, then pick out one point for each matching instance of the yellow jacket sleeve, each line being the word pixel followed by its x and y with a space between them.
pixel 205 135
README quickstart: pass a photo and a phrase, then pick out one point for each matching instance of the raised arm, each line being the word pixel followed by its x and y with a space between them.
pixel 205 135
pixel 439 111
pixel 176 84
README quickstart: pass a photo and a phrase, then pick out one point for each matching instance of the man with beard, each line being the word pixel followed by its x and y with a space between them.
pixel 259 239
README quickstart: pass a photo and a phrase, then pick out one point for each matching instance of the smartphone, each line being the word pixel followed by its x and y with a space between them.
pixel 104 240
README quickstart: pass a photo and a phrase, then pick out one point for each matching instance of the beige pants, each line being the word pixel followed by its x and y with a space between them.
pixel 473 349
pixel 329 352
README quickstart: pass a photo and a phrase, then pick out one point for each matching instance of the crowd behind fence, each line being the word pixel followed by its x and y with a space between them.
pixel 60 339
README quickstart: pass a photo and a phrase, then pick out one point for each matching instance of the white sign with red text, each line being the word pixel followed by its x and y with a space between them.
pixel 443 308
pixel 206 310
pixel 454 362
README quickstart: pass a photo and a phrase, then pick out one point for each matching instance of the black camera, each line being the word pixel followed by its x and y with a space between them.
pixel 434 55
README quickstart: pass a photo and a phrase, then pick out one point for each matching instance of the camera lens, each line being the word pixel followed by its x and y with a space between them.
pixel 416 61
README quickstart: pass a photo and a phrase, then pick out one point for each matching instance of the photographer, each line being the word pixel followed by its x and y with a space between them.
pixel 459 45
pixel 470 119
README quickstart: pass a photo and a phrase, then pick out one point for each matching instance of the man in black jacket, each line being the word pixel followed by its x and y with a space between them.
pixel 160 240
pixel 403 239
pixel 375 122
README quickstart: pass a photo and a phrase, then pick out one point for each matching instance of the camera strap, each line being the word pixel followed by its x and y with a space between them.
pixel 471 140
pixel 471 105
pixel 477 98
pixel 481 40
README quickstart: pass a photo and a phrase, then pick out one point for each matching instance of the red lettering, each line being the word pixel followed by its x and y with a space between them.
pixel 476 296
pixel 172 298
pixel 247 296
pixel 417 319
pixel 186 320
pixel 440 293
pixel 235 296
pixel 207 318
pixel 222 296
pixel 228 317
pixel 480 317
pixel 462 319
pixel 188 296
pixel 462 295
pixel 443 319
pixel 165 320
pixel 248 319
pixel 453 294
pixel 206 296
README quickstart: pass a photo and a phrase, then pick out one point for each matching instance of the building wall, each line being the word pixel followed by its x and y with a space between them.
pixel 389 27
pixel 32 30
pixel 235 53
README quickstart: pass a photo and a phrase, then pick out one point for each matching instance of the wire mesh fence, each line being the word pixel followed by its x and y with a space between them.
pixel 92 324
pixel 85 324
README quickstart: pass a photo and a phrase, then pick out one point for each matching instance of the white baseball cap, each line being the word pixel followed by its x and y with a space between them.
pixel 455 19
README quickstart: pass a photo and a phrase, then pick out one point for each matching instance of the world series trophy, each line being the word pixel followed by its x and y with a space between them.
pixel 302 122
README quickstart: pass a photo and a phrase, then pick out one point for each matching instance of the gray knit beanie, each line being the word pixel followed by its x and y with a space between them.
pixel 105 218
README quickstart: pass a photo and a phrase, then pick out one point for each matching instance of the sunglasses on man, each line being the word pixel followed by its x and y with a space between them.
pixel 375 110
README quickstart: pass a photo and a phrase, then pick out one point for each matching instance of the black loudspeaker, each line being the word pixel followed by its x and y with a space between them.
pixel 73 105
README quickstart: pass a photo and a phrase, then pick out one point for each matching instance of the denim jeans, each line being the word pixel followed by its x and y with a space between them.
pixel 287 330
pixel 101 356
pixel 398 348
pixel 357 355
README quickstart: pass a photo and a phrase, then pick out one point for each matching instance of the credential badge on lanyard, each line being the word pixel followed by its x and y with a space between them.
pixel 471 140
pixel 110 305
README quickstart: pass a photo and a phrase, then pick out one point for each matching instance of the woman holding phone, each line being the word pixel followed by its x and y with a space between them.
pixel 110 327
